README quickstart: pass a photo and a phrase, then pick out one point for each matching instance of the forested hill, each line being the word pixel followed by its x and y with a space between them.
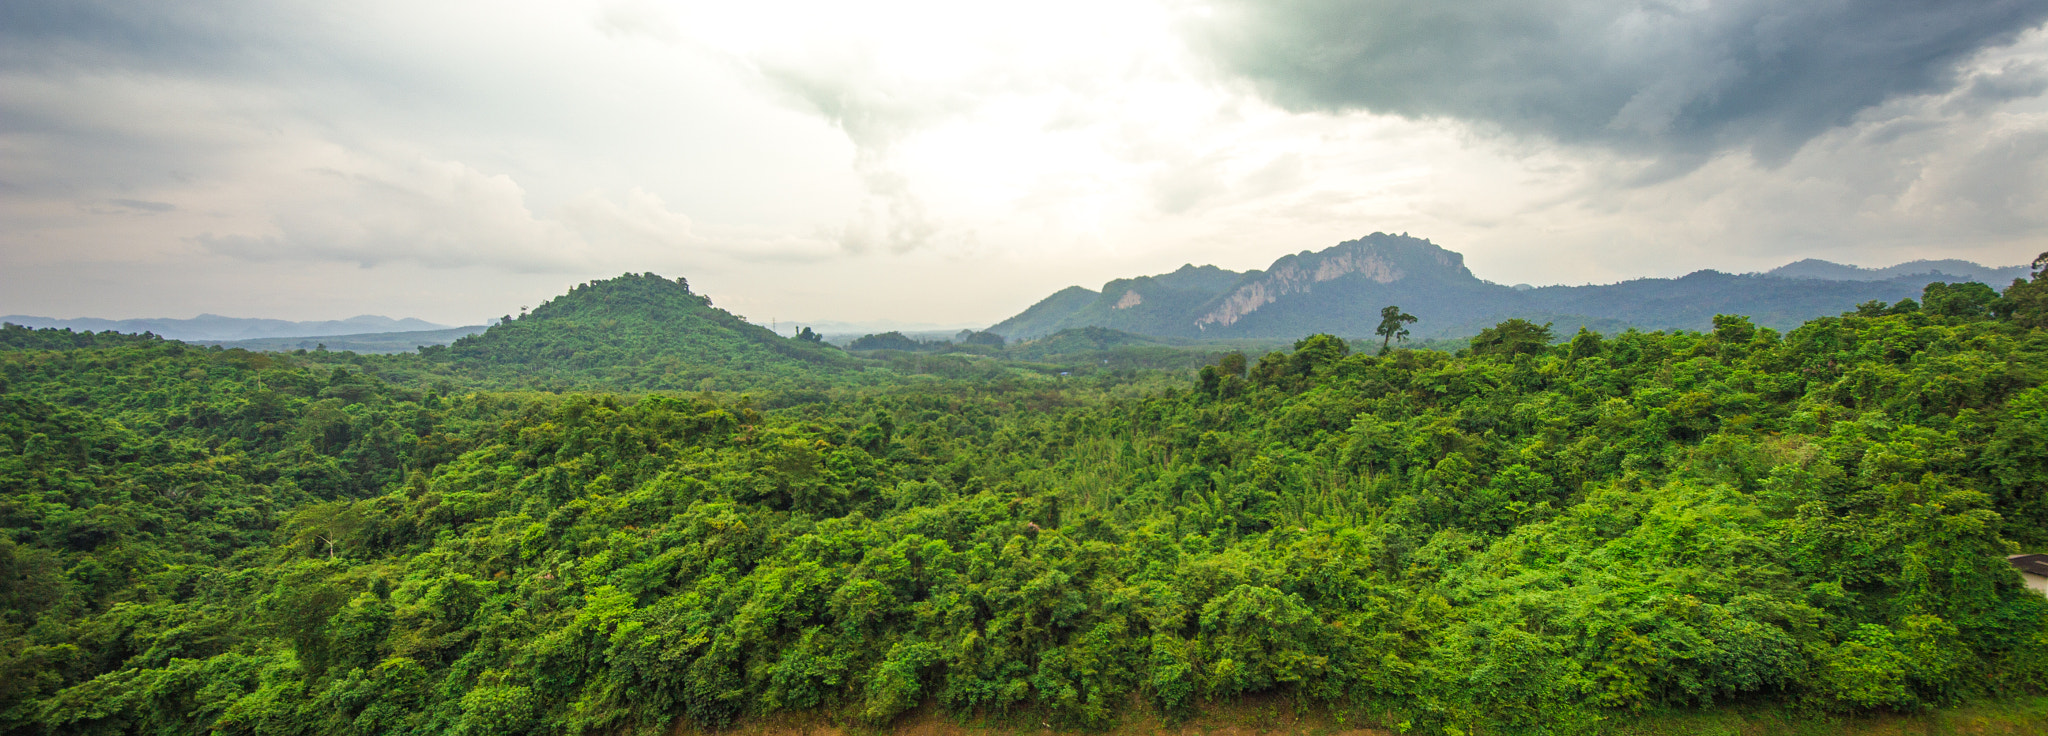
pixel 1340 290
pixel 636 332
pixel 1520 537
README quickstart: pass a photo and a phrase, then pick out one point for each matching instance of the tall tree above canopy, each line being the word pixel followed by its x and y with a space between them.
pixel 1393 324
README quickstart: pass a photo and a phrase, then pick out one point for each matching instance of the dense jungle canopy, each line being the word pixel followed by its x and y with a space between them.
pixel 571 524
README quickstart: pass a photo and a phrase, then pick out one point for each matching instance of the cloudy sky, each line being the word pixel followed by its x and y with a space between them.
pixel 951 162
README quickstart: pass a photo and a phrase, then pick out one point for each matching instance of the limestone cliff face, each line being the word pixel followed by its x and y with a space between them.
pixel 1130 299
pixel 1299 274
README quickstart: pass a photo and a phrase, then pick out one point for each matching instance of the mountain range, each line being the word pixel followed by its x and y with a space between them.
pixel 368 343
pixel 1948 269
pixel 215 328
pixel 1341 290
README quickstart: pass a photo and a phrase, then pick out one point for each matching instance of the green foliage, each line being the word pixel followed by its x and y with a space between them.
pixel 1393 326
pixel 634 332
pixel 892 341
pixel 1968 300
pixel 17 337
pixel 200 540
pixel 984 339
pixel 1513 337
pixel 2025 303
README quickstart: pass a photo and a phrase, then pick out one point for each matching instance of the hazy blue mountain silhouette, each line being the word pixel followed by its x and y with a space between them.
pixel 213 327
pixel 1949 269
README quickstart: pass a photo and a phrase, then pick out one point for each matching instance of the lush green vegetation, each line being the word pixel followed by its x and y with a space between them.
pixel 643 333
pixel 637 333
pixel 1517 537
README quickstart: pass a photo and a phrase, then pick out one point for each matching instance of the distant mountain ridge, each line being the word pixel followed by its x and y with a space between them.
pixel 368 343
pixel 1954 269
pixel 214 327
pixel 1341 289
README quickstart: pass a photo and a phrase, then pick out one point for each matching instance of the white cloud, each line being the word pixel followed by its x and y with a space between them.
pixel 637 18
pixel 643 230
pixel 642 223
pixel 434 213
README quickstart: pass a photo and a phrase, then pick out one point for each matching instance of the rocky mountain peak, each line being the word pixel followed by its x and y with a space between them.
pixel 1380 258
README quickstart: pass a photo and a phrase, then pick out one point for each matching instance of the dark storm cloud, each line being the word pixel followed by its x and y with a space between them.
pixel 1682 79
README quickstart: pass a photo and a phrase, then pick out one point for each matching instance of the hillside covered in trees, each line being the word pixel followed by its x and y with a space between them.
pixel 636 332
pixel 586 520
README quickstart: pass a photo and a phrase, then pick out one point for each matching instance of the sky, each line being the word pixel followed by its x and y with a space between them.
pixel 951 163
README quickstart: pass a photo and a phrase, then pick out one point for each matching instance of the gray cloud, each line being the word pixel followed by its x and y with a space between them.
pixel 900 224
pixel 2014 80
pixel 139 205
pixel 236 38
pixel 1682 80
pixel 440 214
pixel 2000 189
pixel 875 113
pixel 846 89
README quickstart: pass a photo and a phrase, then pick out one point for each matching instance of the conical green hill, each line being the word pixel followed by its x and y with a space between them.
pixel 639 331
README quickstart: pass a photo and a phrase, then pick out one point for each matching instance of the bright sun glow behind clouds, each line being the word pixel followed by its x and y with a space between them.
pixel 940 162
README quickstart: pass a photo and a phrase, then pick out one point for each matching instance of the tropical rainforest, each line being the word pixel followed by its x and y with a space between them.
pixel 629 510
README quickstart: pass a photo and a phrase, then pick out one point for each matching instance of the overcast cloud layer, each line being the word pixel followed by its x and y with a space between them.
pixel 1657 78
pixel 937 163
